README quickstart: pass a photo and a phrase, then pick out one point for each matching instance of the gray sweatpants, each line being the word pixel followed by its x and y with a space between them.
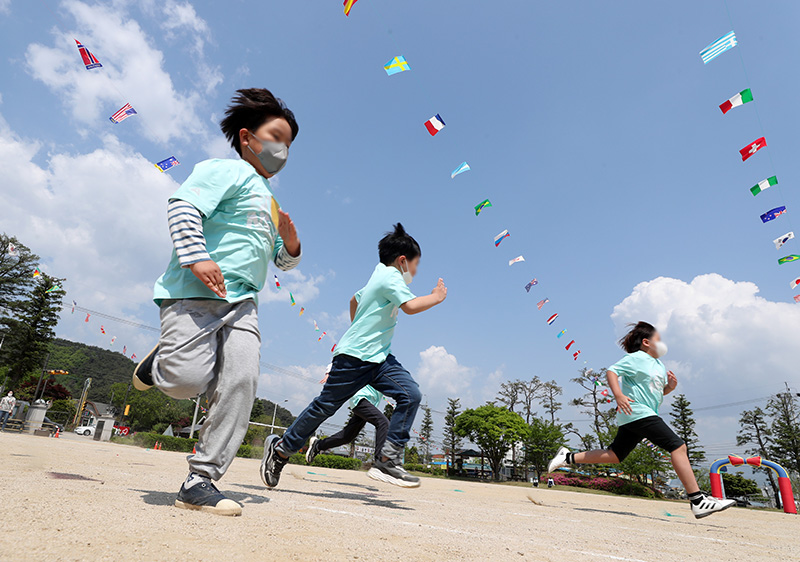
pixel 211 347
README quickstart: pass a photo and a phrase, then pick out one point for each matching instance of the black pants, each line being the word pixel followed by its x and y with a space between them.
pixel 652 428
pixel 363 413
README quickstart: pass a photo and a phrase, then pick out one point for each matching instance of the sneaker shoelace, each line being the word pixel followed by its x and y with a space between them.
pixel 280 462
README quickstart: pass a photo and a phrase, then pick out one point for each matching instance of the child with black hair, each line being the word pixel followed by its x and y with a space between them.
pixel 639 382
pixel 364 357
pixel 225 227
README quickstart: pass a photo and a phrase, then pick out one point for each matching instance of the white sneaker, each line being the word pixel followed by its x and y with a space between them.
pixel 709 505
pixel 559 460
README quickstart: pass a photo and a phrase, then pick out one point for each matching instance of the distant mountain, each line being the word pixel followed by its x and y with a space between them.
pixel 82 361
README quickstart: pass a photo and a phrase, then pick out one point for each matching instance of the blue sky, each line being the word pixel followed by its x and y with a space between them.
pixel 593 129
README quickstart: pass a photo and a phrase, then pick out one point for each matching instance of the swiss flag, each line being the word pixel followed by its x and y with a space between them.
pixel 752 148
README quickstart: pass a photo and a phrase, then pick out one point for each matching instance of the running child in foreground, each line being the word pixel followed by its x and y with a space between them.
pixel 364 357
pixel 639 382
pixel 364 410
pixel 226 227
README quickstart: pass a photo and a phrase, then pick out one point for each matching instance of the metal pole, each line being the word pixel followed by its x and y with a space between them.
pixel 274 413
pixel 46 361
pixel 194 418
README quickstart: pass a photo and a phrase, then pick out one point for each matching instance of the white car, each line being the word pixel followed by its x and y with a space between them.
pixel 85 430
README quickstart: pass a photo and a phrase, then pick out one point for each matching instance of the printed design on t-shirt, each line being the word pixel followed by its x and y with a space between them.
pixel 657 381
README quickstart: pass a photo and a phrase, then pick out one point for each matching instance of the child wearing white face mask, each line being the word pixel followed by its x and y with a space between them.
pixel 639 382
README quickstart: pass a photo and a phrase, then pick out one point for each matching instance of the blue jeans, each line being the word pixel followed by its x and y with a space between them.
pixel 4 418
pixel 349 375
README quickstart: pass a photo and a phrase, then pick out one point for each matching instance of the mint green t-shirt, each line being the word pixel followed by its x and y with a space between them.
pixel 642 377
pixel 235 202
pixel 369 337
pixel 367 393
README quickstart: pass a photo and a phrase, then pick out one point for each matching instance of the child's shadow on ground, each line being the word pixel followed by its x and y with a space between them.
pixel 364 498
pixel 153 497
pixel 631 514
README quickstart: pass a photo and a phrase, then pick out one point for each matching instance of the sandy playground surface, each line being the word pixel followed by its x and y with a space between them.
pixel 124 511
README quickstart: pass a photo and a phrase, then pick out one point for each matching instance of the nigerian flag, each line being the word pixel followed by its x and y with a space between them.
pixel 764 184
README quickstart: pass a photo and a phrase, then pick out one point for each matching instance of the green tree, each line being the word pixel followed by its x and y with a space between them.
pixel 494 429
pixel 591 403
pixel 30 324
pixel 754 430
pixel 508 395
pixel 411 455
pixel 16 271
pixel 644 462
pixel 683 421
pixel 529 391
pixel 151 407
pixel 785 430
pixel 452 440
pixel 549 399
pixel 737 486
pixel 258 410
pixel 543 441
pixel 62 411
pixel 388 410
pixel 425 434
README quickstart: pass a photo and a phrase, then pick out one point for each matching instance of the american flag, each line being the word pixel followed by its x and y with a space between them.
pixel 797 298
pixel 123 113
pixel 541 303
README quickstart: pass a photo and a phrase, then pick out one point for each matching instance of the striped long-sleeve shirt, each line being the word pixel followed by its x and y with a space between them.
pixel 186 229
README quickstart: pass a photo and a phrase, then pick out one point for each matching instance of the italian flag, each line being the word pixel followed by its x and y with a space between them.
pixel 764 184
pixel 739 99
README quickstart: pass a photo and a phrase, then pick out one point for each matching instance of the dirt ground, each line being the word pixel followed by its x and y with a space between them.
pixel 124 511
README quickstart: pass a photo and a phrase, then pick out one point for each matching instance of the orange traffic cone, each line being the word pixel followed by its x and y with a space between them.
pixel 58 430
pixel 194 450
pixel 155 447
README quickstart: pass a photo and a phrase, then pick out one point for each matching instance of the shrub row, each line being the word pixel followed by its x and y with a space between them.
pixel 435 470
pixel 613 485
pixel 183 445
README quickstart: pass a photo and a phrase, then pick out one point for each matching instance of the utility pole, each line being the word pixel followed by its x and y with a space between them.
pixel 46 361
pixel 194 418
pixel 275 413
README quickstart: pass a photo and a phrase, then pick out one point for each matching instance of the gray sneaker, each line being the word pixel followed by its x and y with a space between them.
pixel 392 473
pixel 272 464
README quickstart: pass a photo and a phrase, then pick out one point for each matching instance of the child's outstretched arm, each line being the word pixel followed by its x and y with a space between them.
pixel 672 383
pixel 353 307
pixel 421 304
pixel 286 253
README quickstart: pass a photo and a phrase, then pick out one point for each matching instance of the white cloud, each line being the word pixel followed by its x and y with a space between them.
pixel 726 343
pixel 441 376
pixel 305 288
pixel 133 71
pixel 5 6
pixel 96 219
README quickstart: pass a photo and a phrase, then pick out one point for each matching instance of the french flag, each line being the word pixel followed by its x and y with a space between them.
pixel 434 124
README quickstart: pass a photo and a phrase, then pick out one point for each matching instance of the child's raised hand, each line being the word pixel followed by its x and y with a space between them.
pixel 624 404
pixel 209 273
pixel 288 233
pixel 672 380
pixel 440 291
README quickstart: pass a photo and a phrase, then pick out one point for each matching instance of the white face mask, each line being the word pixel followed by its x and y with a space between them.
pixel 661 349
pixel 407 277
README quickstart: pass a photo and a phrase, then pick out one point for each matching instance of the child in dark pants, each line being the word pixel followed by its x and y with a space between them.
pixel 364 411
pixel 639 382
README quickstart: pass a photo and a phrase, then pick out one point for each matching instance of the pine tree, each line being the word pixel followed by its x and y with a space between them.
pixel 785 430
pixel 591 402
pixel 425 434
pixel 31 327
pixel 754 430
pixel 508 395
pixel 550 393
pixel 528 393
pixel 452 440
pixel 683 421
pixel 16 271
pixel 388 410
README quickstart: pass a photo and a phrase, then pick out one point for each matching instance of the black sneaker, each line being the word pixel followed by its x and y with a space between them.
pixel 313 450
pixel 392 473
pixel 272 464
pixel 206 497
pixel 142 374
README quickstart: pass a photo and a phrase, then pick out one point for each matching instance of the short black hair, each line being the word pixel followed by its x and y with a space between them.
pixel 632 341
pixel 249 109
pixel 397 243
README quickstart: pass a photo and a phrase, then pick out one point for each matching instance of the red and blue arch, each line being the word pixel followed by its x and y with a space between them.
pixel 784 484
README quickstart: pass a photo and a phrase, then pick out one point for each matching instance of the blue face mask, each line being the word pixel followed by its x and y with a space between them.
pixel 273 155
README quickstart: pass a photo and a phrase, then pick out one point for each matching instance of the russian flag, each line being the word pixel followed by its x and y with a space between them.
pixel 434 124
